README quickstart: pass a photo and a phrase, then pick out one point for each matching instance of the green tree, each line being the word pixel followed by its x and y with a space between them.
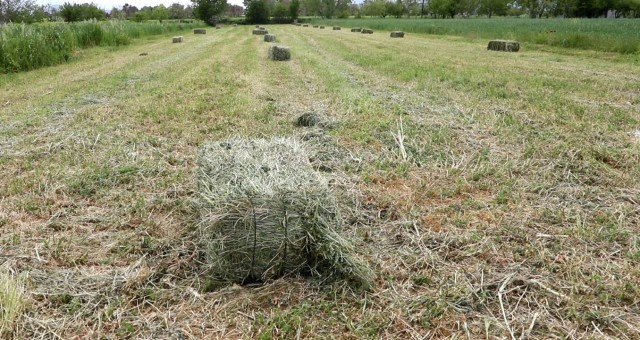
pixel 294 9
pixel 15 10
pixel 493 7
pixel 395 8
pixel 257 12
pixel 311 7
pixel 160 13
pixel 443 8
pixel 74 12
pixel 280 13
pixel 376 8
pixel 209 10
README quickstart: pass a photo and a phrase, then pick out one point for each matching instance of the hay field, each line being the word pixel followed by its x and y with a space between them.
pixel 495 195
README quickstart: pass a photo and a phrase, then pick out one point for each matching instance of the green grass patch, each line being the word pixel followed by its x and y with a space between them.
pixel 620 35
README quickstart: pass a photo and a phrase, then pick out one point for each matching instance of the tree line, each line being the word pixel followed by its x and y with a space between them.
pixel 282 11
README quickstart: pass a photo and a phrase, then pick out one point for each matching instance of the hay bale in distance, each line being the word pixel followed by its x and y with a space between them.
pixel 265 213
pixel 367 31
pixel 305 25
pixel 177 39
pixel 397 34
pixel 315 26
pixel 218 27
pixel 356 30
pixel 269 38
pixel 279 53
pixel 336 28
pixel 257 26
pixel 199 31
pixel 309 119
pixel 260 32
pixel 321 27
pixel 504 45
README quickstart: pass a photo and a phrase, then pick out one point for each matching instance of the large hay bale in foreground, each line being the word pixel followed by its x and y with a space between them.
pixel 397 34
pixel 336 28
pixel 279 53
pixel 199 31
pixel 504 45
pixel 177 39
pixel 269 37
pixel 367 31
pixel 356 30
pixel 265 213
pixel 260 32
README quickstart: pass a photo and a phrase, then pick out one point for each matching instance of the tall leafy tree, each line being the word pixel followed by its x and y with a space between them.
pixel 209 10
pixel 493 7
pixel 294 9
pixel 257 12
pixel 16 10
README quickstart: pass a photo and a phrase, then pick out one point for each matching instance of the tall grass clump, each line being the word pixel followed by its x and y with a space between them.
pixel 26 47
pixel 608 35
pixel 11 301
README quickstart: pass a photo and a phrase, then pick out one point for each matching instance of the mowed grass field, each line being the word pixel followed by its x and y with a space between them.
pixel 495 195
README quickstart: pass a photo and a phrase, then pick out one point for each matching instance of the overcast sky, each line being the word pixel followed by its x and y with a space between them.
pixel 109 4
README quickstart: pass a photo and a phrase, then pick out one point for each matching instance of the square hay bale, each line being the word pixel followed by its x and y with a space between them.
pixel 367 31
pixel 397 34
pixel 177 39
pixel 279 53
pixel 218 27
pixel 257 26
pixel 235 25
pixel 504 45
pixel 269 38
pixel 336 28
pixel 356 29
pixel 260 32
pixel 305 25
pixel 266 213
pixel 315 26
pixel 199 31
pixel 321 27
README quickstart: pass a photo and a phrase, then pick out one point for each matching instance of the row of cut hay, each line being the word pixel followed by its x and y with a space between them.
pixel 265 213
pixel 26 47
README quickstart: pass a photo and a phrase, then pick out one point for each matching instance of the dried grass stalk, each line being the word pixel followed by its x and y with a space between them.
pixel 397 34
pixel 266 213
pixel 504 45
pixel 279 53
pixel 12 301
